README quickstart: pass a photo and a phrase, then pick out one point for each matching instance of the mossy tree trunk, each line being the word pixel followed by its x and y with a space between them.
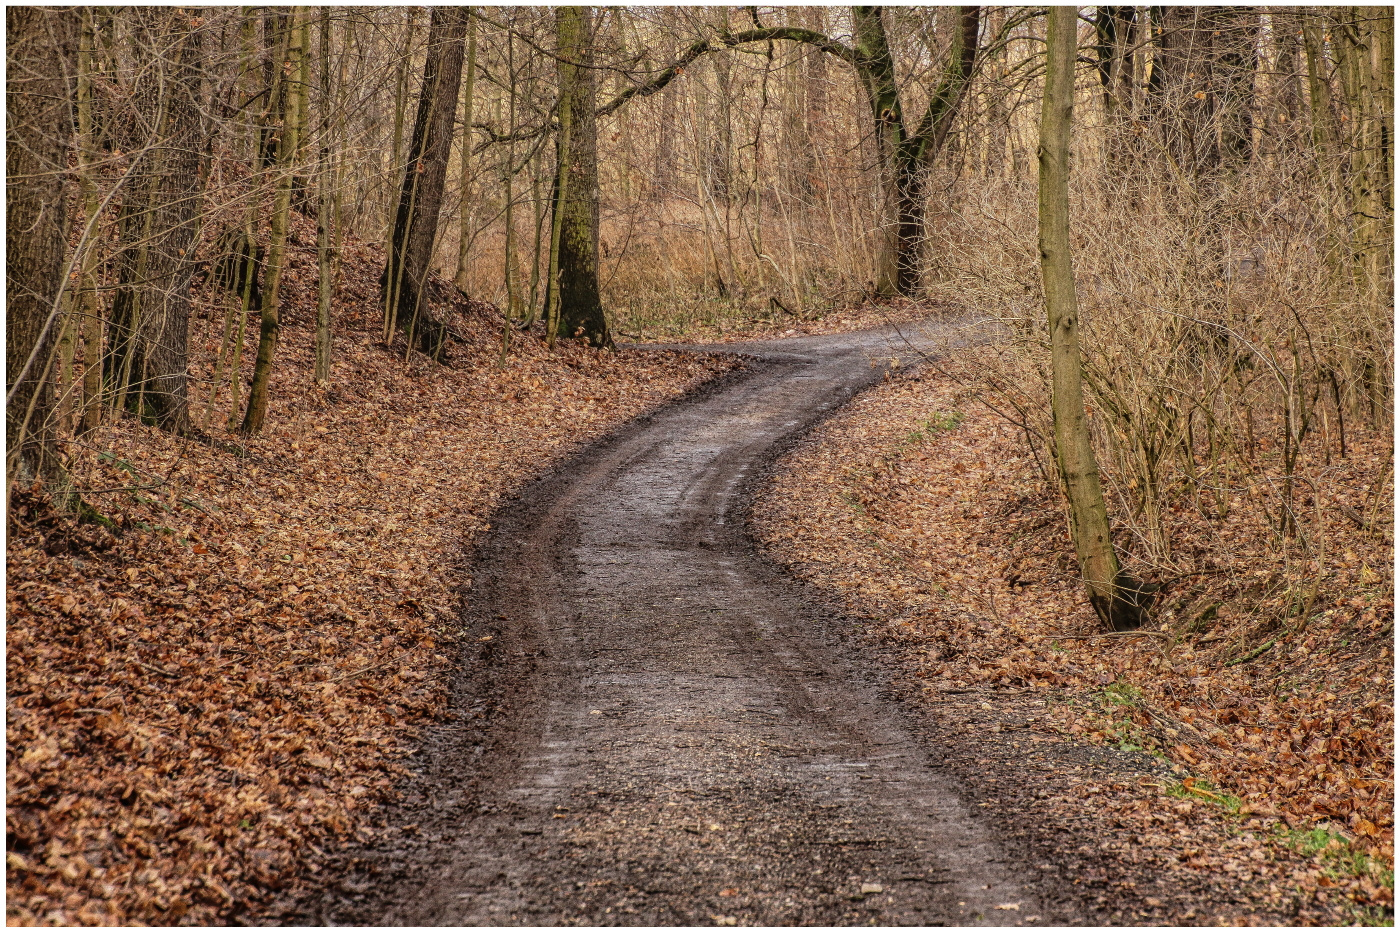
pixel 580 307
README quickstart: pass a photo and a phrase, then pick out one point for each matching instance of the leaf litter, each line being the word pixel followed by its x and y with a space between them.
pixel 209 693
pixel 1179 775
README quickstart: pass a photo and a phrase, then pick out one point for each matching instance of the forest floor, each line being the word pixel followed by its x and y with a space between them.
pixel 658 728
pixel 212 692
pixel 1256 780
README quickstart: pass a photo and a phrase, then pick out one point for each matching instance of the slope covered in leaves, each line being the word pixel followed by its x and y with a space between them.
pixel 206 696
pixel 923 510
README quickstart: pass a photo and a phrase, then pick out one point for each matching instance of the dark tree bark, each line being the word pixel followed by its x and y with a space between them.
pixel 1202 85
pixel 1112 594
pixel 1116 30
pixel 580 309
pixel 1237 29
pixel 907 156
pixel 150 314
pixel 420 199
pixel 40 48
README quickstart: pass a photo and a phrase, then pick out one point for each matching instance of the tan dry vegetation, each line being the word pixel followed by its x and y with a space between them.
pixel 204 700
pixel 922 508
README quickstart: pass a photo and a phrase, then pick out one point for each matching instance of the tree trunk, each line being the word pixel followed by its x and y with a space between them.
pixel 1111 593
pixel 1114 28
pixel 1319 88
pixel 576 184
pixel 1324 137
pixel 248 258
pixel 898 203
pixel 511 270
pixel 464 222
pixel 87 182
pixel 151 311
pixel 324 214
pixel 39 51
pixel 1365 56
pixel 906 157
pixel 420 200
pixel 1238 29
pixel 561 190
pixel 271 325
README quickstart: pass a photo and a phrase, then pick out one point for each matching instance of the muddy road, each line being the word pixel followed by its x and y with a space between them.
pixel 654 728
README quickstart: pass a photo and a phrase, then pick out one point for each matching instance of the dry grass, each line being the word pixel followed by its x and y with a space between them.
pixel 1223 349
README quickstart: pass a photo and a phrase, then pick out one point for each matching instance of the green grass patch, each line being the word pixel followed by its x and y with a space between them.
pixel 931 427
pixel 1373 916
pixel 1194 788
pixel 1341 857
pixel 1122 693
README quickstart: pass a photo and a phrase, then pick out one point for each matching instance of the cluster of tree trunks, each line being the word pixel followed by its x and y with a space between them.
pixel 1180 78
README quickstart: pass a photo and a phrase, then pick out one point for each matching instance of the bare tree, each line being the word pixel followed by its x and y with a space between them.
pixel 161 213
pixel 577 309
pixel 1113 595
pixel 414 233
pixel 905 153
pixel 40 47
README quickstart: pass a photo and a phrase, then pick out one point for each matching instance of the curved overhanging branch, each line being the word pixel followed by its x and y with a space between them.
pixel 665 76
pixel 728 41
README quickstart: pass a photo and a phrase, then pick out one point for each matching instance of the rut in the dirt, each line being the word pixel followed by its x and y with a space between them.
pixel 685 745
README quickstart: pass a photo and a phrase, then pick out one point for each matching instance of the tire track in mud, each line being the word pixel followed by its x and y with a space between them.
pixel 659 732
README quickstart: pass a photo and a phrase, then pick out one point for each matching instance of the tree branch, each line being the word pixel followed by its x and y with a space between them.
pixel 729 41
pixel 665 76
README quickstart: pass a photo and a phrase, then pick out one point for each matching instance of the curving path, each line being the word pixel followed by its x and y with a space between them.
pixel 659 729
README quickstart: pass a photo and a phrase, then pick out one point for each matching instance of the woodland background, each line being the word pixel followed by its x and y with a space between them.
pixel 274 268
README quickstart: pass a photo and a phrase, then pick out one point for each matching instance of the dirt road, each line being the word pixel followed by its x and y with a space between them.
pixel 655 728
